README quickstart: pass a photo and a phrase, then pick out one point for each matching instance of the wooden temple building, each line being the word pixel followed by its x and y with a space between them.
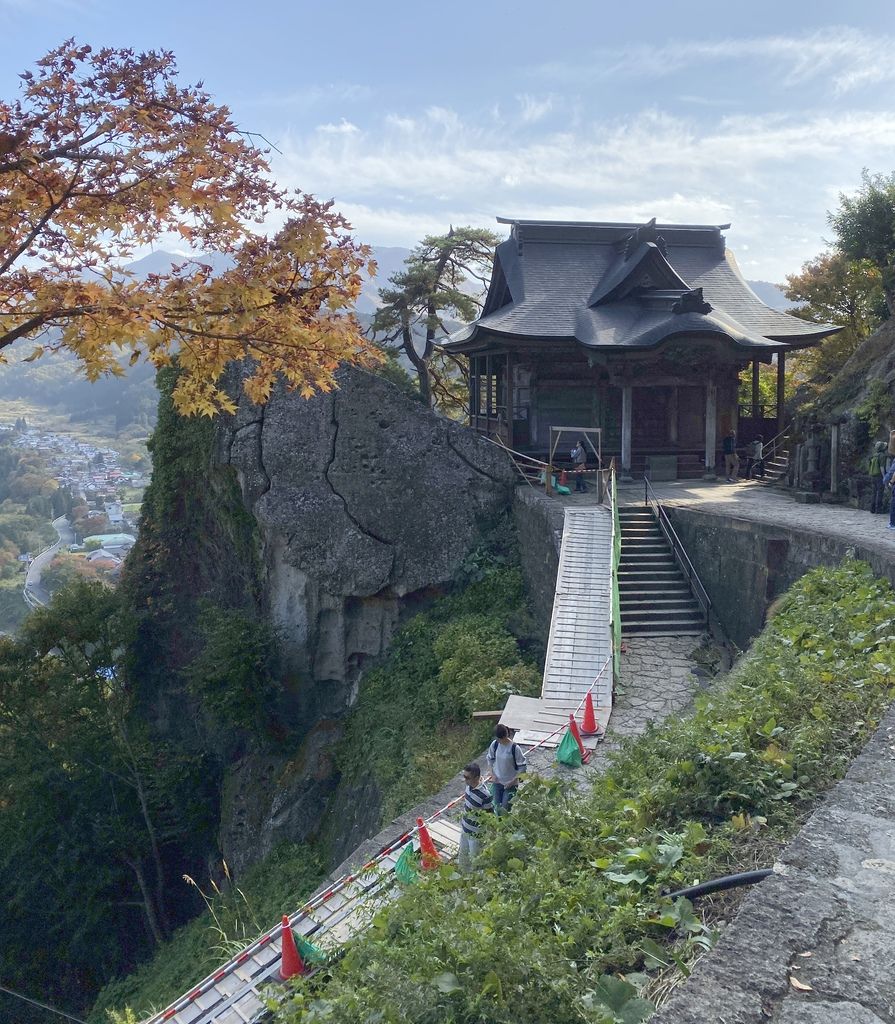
pixel 642 331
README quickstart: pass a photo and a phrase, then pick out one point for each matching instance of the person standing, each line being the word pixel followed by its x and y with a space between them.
pixel 876 467
pixel 579 460
pixel 731 459
pixel 887 480
pixel 756 463
pixel 890 454
pixel 507 763
pixel 476 801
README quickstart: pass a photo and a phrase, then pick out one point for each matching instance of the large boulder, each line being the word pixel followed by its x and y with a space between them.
pixel 367 503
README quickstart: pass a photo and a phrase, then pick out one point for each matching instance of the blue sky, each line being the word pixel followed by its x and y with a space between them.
pixel 416 115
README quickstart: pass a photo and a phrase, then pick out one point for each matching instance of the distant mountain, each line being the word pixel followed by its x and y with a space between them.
pixel 771 295
pixel 389 260
pixel 161 261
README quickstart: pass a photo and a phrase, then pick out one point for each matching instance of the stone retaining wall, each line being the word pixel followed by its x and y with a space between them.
pixel 539 525
pixel 745 564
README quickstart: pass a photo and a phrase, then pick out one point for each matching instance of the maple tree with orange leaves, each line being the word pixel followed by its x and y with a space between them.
pixel 104 153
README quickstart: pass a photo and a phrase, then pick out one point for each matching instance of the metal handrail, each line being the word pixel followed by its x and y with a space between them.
pixel 651 500
pixel 773 444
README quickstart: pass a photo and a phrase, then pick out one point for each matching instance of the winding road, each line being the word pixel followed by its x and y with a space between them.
pixel 36 596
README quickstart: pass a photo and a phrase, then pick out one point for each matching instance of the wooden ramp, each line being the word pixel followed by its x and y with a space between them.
pixel 580 642
pixel 235 993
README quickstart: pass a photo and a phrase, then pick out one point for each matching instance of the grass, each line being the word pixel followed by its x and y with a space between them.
pixel 565 921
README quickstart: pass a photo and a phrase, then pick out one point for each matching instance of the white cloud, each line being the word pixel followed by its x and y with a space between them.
pixel 770 176
pixel 342 128
pixel 533 109
pixel 847 57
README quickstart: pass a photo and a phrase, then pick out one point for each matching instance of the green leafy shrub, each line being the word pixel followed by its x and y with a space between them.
pixel 411 724
pixel 234 918
pixel 569 891
pixel 233 673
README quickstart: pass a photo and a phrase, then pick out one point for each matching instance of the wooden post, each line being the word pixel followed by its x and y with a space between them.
pixel 834 458
pixel 711 427
pixel 781 380
pixel 627 399
pixel 756 394
pixel 510 390
pixel 672 415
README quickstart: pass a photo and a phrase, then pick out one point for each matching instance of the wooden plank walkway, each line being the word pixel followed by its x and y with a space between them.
pixel 580 641
pixel 234 994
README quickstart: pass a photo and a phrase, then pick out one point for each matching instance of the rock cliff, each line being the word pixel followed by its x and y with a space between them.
pixel 366 502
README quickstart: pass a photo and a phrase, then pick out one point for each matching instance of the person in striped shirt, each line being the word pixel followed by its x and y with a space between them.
pixel 476 801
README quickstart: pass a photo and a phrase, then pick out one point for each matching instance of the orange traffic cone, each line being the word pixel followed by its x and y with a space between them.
pixel 429 859
pixel 573 726
pixel 589 725
pixel 292 962
pixel 563 478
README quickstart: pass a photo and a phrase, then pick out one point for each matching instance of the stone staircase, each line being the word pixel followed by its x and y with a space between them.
pixel 775 467
pixel 654 595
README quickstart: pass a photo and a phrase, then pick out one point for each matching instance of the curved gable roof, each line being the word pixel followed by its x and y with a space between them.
pixel 570 280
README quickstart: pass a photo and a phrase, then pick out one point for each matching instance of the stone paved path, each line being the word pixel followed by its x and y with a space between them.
pixel 758 502
pixel 657 679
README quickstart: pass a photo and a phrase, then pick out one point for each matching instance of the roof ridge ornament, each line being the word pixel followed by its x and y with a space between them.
pixel 692 302
pixel 645 233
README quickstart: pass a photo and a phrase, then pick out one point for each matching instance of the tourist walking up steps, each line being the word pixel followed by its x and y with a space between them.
pixel 876 467
pixel 887 481
pixel 507 763
pixel 476 801
pixel 731 459
pixel 755 465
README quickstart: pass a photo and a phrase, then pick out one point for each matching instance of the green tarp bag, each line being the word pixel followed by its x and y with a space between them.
pixel 567 752
pixel 407 866
pixel 310 953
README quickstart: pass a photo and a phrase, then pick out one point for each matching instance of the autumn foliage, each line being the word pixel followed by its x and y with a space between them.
pixel 103 153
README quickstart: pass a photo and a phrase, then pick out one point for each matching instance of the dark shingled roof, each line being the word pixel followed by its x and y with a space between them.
pixel 611 286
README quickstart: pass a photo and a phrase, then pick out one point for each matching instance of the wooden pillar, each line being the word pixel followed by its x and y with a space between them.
pixel 834 458
pixel 711 425
pixel 510 392
pixel 672 415
pixel 781 375
pixel 488 391
pixel 627 399
pixel 756 395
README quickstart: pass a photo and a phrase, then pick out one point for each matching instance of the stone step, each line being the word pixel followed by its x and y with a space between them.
pixel 644 544
pixel 693 614
pixel 658 588
pixel 666 574
pixel 662 628
pixel 661 602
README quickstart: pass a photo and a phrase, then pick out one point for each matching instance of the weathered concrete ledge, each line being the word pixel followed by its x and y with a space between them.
pixel 824 919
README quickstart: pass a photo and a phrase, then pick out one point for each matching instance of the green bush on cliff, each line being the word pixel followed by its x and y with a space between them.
pixel 568 895
pixel 412 725
pixel 232 920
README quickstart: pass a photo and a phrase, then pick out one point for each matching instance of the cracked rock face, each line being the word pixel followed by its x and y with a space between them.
pixel 363 497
